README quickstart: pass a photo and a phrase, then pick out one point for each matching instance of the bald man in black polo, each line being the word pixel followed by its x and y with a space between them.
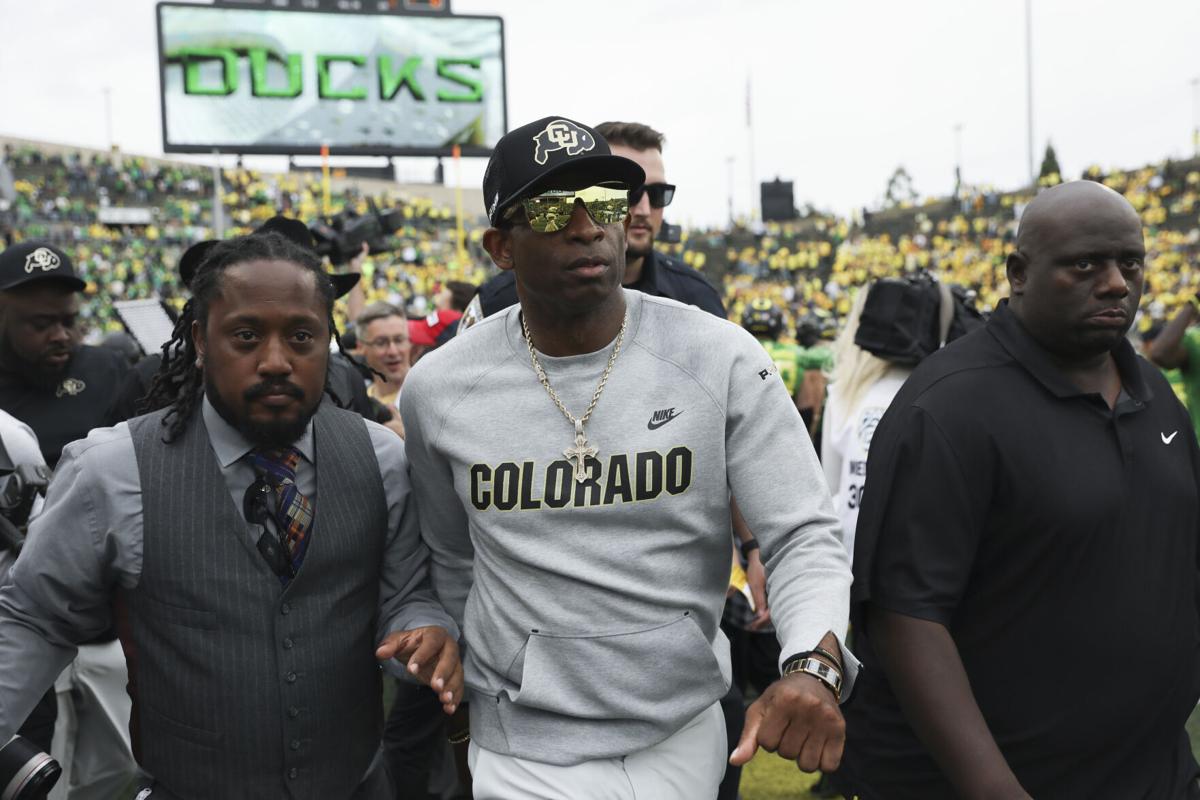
pixel 1026 560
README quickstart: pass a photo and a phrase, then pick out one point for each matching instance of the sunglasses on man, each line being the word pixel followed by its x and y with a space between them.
pixel 550 211
pixel 660 194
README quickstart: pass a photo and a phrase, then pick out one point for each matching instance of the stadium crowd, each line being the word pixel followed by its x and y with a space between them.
pixel 809 267
pixel 818 297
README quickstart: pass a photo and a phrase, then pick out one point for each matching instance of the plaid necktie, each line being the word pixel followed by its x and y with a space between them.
pixel 292 511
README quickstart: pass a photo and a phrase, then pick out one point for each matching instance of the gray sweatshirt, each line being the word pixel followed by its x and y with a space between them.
pixel 590 610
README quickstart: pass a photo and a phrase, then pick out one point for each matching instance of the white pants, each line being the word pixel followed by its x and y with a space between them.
pixel 91 737
pixel 687 766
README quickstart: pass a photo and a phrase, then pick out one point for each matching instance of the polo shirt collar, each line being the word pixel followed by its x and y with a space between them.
pixel 1013 337
pixel 229 444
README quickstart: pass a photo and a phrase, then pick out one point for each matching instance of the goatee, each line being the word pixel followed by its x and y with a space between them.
pixel 271 434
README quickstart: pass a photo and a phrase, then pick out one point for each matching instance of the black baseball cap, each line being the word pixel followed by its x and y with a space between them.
pixel 192 258
pixel 292 229
pixel 552 153
pixel 37 261
pixel 299 233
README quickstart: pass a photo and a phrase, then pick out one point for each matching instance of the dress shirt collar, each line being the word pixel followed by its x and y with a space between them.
pixel 230 445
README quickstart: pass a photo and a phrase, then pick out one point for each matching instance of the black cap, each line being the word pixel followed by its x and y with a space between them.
pixel 192 258
pixel 37 261
pixel 289 228
pixel 552 153
pixel 299 233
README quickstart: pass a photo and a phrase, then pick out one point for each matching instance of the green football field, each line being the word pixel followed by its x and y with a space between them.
pixel 769 777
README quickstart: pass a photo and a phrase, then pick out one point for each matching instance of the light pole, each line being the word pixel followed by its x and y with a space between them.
pixel 1029 90
pixel 957 157
pixel 1195 117
pixel 729 176
pixel 108 116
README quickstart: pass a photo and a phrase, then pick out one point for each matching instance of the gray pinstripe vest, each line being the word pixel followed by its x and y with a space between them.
pixel 243 689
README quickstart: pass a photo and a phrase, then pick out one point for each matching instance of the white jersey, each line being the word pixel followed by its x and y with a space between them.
pixel 845 439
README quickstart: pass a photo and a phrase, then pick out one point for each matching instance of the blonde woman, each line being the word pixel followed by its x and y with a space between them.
pixel 861 388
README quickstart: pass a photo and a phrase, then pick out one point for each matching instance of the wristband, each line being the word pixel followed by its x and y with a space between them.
pixel 749 546
pixel 821 651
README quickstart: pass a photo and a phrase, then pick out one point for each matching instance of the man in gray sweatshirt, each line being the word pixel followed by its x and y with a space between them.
pixel 573 459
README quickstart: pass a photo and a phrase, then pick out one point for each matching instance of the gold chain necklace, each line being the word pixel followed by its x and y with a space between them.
pixel 581 451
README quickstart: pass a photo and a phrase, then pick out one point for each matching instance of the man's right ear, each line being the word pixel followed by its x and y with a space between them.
pixel 498 243
pixel 1015 269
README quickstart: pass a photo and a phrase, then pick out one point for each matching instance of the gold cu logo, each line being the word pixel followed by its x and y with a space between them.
pixel 561 135
pixel 71 386
pixel 43 258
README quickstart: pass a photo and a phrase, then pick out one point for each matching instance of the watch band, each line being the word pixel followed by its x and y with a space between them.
pixel 749 546
pixel 818 669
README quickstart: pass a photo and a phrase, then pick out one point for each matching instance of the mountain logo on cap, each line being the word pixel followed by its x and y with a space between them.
pixel 561 135
pixel 44 259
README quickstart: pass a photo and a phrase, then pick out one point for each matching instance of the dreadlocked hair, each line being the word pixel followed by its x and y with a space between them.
pixel 179 382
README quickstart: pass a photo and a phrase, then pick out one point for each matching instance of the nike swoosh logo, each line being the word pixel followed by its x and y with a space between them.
pixel 653 426
pixel 1167 439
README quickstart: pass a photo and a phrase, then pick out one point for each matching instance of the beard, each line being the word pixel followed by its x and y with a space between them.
pixel 37 373
pixel 271 434
pixel 633 251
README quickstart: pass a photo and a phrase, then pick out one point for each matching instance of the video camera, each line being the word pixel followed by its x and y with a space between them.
pixel 341 237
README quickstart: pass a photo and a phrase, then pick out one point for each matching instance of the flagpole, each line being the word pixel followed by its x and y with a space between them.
pixel 326 200
pixel 459 234
pixel 755 211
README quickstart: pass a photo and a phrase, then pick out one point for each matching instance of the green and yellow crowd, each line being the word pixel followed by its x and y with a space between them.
pixel 810 267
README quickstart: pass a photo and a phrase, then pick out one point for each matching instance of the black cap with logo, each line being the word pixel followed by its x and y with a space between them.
pixel 37 261
pixel 552 153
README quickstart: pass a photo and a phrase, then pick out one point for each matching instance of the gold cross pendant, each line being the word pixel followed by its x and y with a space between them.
pixel 580 453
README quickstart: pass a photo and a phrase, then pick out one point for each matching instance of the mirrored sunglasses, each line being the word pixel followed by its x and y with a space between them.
pixel 661 194
pixel 551 211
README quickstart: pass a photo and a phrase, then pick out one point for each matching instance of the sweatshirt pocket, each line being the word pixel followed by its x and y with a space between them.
pixel 662 674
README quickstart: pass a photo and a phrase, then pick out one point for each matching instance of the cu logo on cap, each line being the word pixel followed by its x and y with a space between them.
pixel 561 135
pixel 43 258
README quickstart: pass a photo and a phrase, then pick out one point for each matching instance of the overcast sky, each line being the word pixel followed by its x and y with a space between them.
pixel 843 91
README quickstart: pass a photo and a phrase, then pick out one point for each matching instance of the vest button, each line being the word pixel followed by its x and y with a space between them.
pixel 291 677
pixel 295 745
pixel 287 644
pixel 293 712
pixel 293 773
pixel 285 609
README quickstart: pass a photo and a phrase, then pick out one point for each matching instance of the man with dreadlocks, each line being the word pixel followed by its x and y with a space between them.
pixel 252 624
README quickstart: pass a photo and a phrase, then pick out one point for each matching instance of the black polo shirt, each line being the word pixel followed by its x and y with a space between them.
pixel 661 276
pixel 1056 539
pixel 85 398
